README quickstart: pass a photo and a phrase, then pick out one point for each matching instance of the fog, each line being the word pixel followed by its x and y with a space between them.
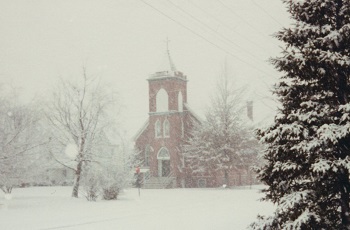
pixel 123 42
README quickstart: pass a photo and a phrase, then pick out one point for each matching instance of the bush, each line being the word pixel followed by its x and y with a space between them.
pixel 113 181
pixel 91 193
pixel 91 186
pixel 106 182
pixel 111 192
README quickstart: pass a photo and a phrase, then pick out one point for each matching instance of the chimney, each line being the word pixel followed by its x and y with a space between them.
pixel 250 110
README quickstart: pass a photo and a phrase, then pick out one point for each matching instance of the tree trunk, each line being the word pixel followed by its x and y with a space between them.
pixel 345 209
pixel 344 200
pixel 77 180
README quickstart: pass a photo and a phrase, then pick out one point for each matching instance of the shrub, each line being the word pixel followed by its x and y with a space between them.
pixel 111 192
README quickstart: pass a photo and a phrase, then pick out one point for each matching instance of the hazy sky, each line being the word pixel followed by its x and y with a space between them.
pixel 123 42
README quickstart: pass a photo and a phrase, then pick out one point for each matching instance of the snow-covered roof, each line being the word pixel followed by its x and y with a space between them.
pixel 193 113
pixel 141 130
pixel 168 74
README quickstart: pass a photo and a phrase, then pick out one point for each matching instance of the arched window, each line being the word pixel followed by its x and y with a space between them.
pixel 147 153
pixel 162 101
pixel 166 128
pixel 163 154
pixel 158 129
pixel 180 102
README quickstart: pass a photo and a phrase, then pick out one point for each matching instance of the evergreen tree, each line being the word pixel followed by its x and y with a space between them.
pixel 307 154
pixel 224 142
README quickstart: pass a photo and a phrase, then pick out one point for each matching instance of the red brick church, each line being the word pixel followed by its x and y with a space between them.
pixel 159 141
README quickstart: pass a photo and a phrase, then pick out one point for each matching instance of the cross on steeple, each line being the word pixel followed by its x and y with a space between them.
pixel 172 66
pixel 167 44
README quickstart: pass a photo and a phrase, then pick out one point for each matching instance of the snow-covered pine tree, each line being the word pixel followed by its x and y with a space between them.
pixel 308 146
pixel 224 142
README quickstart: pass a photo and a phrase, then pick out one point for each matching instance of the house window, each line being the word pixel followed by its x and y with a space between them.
pixel 158 129
pixel 180 102
pixel 162 101
pixel 166 127
pixel 147 153
pixel 202 183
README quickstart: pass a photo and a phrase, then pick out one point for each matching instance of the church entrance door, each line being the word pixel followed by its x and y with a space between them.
pixel 165 168
pixel 163 162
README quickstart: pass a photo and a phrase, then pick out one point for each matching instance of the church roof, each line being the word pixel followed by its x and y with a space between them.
pixel 198 118
pixel 141 130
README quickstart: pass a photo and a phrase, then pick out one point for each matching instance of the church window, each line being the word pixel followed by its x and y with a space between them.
pixel 147 153
pixel 162 101
pixel 163 154
pixel 158 129
pixel 180 102
pixel 166 127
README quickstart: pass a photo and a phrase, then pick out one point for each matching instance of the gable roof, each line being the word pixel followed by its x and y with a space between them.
pixel 198 118
pixel 141 130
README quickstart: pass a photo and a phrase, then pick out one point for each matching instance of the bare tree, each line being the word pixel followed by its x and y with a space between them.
pixel 110 172
pixel 19 140
pixel 79 114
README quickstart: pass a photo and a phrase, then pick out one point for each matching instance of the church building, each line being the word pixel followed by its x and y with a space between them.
pixel 159 142
pixel 160 139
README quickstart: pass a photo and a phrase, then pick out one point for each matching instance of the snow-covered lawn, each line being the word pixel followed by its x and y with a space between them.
pixel 52 208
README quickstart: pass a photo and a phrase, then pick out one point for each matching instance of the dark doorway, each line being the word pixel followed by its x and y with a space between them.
pixel 165 168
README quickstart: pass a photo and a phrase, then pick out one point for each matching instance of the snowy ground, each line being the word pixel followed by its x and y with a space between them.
pixel 202 209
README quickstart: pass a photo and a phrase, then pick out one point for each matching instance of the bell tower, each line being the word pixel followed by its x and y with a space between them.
pixel 169 120
pixel 167 88
pixel 167 97
pixel 167 92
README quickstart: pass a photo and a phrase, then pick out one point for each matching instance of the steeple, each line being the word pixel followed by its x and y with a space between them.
pixel 171 63
pixel 167 69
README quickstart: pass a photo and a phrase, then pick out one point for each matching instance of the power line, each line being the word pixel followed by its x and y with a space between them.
pixel 197 34
pixel 225 25
pixel 220 22
pixel 237 15
pixel 267 13
pixel 212 30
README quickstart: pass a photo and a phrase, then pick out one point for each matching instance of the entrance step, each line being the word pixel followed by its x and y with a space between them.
pixel 159 183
